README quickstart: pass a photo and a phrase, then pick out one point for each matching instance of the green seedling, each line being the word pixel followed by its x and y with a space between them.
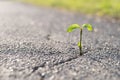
pixel 76 26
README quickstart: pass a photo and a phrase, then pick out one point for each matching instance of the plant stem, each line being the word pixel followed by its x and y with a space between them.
pixel 80 47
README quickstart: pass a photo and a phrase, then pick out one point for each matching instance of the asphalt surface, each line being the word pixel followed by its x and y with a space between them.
pixel 34 45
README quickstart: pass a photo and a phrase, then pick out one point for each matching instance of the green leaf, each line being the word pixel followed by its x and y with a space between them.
pixel 72 27
pixel 79 44
pixel 88 26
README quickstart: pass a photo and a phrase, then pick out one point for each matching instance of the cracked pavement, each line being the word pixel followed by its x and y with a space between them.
pixel 34 45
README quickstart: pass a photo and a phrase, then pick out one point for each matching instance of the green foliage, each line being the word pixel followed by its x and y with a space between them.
pixel 72 27
pixel 76 26
pixel 88 26
pixel 100 8
pixel 79 44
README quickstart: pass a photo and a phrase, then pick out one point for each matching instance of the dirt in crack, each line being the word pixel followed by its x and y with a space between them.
pixel 68 60
pixel 35 69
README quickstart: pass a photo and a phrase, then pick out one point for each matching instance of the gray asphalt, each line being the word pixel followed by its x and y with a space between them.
pixel 34 45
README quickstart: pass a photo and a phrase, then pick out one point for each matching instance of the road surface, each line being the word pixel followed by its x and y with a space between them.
pixel 34 45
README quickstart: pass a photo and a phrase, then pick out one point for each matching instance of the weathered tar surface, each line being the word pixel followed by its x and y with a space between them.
pixel 34 45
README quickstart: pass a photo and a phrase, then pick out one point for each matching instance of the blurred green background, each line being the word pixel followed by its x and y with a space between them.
pixel 110 8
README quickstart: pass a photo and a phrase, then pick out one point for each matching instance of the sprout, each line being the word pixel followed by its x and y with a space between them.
pixel 76 26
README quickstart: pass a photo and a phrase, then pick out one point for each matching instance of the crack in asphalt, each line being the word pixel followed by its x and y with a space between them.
pixel 68 60
pixel 35 69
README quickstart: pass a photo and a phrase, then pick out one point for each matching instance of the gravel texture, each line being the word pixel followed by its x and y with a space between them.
pixel 34 45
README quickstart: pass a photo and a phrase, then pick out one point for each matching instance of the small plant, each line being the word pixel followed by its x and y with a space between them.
pixel 76 26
